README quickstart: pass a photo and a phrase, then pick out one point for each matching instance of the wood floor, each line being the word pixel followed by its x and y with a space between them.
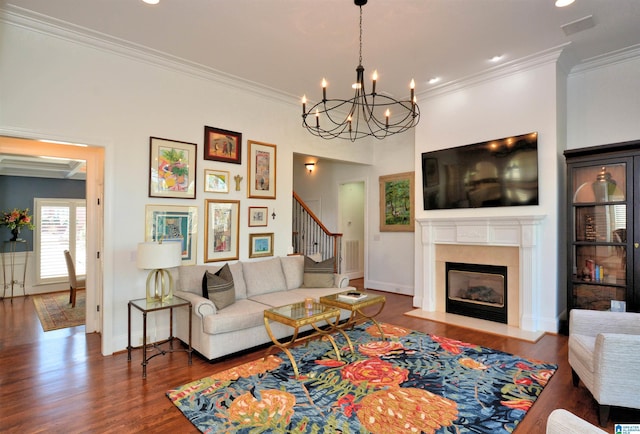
pixel 58 382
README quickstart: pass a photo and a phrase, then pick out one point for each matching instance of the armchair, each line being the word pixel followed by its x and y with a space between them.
pixel 604 352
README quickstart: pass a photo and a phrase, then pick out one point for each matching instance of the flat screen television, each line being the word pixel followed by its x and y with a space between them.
pixel 502 172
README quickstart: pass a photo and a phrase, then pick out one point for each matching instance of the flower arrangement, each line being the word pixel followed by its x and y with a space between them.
pixel 16 219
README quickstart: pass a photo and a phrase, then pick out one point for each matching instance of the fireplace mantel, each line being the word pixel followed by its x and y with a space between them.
pixel 516 231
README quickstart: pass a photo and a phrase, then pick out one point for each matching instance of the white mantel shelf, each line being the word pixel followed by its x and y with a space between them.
pixel 516 231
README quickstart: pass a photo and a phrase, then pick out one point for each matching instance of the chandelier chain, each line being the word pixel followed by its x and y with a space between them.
pixel 360 36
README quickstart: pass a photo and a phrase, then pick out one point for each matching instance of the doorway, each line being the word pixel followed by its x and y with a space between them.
pixel 94 156
pixel 351 200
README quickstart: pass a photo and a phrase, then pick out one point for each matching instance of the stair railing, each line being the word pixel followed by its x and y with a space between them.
pixel 312 238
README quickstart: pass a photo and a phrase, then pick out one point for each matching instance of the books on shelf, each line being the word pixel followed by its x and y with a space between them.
pixel 351 296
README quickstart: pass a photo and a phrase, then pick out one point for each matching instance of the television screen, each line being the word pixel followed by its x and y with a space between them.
pixel 501 172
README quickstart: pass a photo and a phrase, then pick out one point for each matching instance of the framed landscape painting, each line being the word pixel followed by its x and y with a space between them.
pixel 222 145
pixel 173 224
pixel 397 212
pixel 260 245
pixel 172 169
pixel 261 170
pixel 221 230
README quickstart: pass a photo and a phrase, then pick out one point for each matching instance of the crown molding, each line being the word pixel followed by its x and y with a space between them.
pixel 53 27
pixel 615 57
pixel 499 72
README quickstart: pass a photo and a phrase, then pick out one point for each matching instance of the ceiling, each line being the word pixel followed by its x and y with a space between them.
pixel 290 45
pixel 42 167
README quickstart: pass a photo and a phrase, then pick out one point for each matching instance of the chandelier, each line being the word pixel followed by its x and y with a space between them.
pixel 366 114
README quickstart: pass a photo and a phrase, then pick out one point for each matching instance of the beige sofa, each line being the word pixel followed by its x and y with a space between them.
pixel 258 285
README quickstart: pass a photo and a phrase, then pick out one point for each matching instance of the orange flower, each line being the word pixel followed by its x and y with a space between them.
pixel 379 348
pixel 402 410
pixel 275 405
pixel 376 372
pixel 518 404
pixel 470 363
pixel 451 345
pixel 543 376
pixel 248 369
pixel 388 330
pixel 331 363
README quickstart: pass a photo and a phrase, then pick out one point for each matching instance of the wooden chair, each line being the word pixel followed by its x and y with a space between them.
pixel 74 282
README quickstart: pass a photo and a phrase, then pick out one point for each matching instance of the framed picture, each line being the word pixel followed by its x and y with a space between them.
pixel 173 224
pixel 258 216
pixel 221 230
pixel 260 245
pixel 261 170
pixel 216 181
pixel 172 169
pixel 222 145
pixel 396 202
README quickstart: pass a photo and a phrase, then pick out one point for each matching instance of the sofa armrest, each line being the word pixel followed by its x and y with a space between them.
pixel 561 421
pixel 592 322
pixel 201 306
pixel 340 280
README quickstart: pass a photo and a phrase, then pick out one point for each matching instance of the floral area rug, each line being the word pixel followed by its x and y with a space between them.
pixel 55 311
pixel 411 382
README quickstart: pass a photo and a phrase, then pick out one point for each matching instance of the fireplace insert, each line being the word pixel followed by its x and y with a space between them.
pixel 477 290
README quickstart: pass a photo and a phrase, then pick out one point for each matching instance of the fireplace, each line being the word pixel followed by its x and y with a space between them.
pixel 477 290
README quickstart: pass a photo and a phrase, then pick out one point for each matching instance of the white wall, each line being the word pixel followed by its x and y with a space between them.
pixel 515 103
pixel 64 86
pixel 604 102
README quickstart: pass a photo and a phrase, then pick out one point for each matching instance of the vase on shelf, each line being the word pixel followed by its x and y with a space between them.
pixel 15 232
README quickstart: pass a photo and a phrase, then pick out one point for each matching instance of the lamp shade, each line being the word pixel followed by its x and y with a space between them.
pixel 154 256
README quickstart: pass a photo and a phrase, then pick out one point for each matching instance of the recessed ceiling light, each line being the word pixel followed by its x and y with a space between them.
pixel 151 2
pixel 434 80
pixel 496 58
pixel 563 3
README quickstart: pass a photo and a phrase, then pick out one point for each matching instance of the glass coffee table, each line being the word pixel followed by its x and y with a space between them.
pixel 296 316
pixel 358 307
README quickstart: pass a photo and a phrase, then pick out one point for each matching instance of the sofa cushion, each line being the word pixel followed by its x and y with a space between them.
pixel 243 314
pixel 317 280
pixel 218 287
pixel 311 266
pixel 293 269
pixel 262 277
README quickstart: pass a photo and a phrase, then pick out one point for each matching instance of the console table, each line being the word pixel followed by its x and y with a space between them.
pixel 9 248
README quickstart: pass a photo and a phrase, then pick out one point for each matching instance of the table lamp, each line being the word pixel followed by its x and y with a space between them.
pixel 157 257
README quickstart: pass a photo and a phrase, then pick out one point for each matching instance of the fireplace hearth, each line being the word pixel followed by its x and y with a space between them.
pixel 477 290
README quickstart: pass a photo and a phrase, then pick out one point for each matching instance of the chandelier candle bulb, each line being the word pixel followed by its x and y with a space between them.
pixel 324 89
pixel 386 115
pixel 317 119
pixel 304 104
pixel 375 78
pixel 412 86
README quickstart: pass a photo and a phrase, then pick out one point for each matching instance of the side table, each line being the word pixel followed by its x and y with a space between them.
pixel 145 307
pixel 9 248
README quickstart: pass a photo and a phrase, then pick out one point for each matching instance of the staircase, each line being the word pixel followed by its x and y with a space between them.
pixel 312 238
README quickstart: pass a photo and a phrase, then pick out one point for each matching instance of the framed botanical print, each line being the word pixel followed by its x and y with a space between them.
pixel 216 181
pixel 172 169
pixel 222 145
pixel 260 245
pixel 173 224
pixel 222 230
pixel 261 170
pixel 258 216
pixel 397 212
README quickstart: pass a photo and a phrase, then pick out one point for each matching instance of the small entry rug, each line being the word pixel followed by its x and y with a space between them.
pixel 412 382
pixel 55 311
